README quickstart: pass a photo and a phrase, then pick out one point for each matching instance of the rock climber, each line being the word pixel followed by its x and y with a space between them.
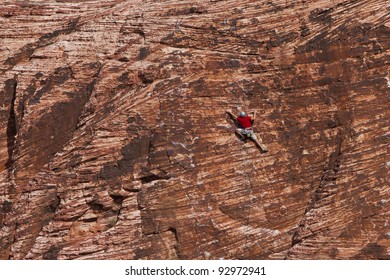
pixel 245 130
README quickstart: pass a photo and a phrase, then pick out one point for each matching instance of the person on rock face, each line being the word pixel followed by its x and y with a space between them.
pixel 244 123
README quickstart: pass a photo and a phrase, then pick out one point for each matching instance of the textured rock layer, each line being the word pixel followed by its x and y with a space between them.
pixel 114 142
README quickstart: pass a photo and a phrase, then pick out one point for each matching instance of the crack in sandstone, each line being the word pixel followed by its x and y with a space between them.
pixel 328 177
pixel 90 89
pixel 327 186
pixel 323 191
pixel 11 126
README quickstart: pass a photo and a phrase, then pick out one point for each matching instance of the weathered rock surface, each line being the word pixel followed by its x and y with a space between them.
pixel 114 142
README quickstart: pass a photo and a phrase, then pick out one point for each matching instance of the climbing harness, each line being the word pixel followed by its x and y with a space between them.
pixel 247 132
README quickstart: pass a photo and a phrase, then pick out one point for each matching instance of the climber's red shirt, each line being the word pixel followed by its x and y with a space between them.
pixel 245 122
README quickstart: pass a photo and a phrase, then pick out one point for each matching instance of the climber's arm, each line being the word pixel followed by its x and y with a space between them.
pixel 231 114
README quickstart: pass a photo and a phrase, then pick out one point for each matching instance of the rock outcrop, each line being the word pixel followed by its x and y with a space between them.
pixel 114 142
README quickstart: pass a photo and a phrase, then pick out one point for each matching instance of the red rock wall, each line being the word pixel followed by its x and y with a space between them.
pixel 114 142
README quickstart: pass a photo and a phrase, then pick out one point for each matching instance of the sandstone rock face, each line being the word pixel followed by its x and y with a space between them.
pixel 114 142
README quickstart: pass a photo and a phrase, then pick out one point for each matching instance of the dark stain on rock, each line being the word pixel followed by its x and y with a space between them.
pixel 199 86
pixel 321 15
pixel 53 206
pixel 186 11
pixel 140 32
pixel 146 77
pixel 346 41
pixel 238 212
pixel 109 172
pixel 38 75
pixel 55 128
pixel 26 52
pixel 232 63
pixel 60 76
pixel 124 78
pixel 51 132
pixel 52 253
pixel 167 84
pixel 333 253
pixel 218 64
pixel 253 88
pixel 126 81
pixel 7 206
pixel 143 53
pixel 304 30
pixel 373 251
pixel 333 123
pixel 149 220
pixel 123 59
pixel 71 27
pixel 278 40
pixel 138 149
